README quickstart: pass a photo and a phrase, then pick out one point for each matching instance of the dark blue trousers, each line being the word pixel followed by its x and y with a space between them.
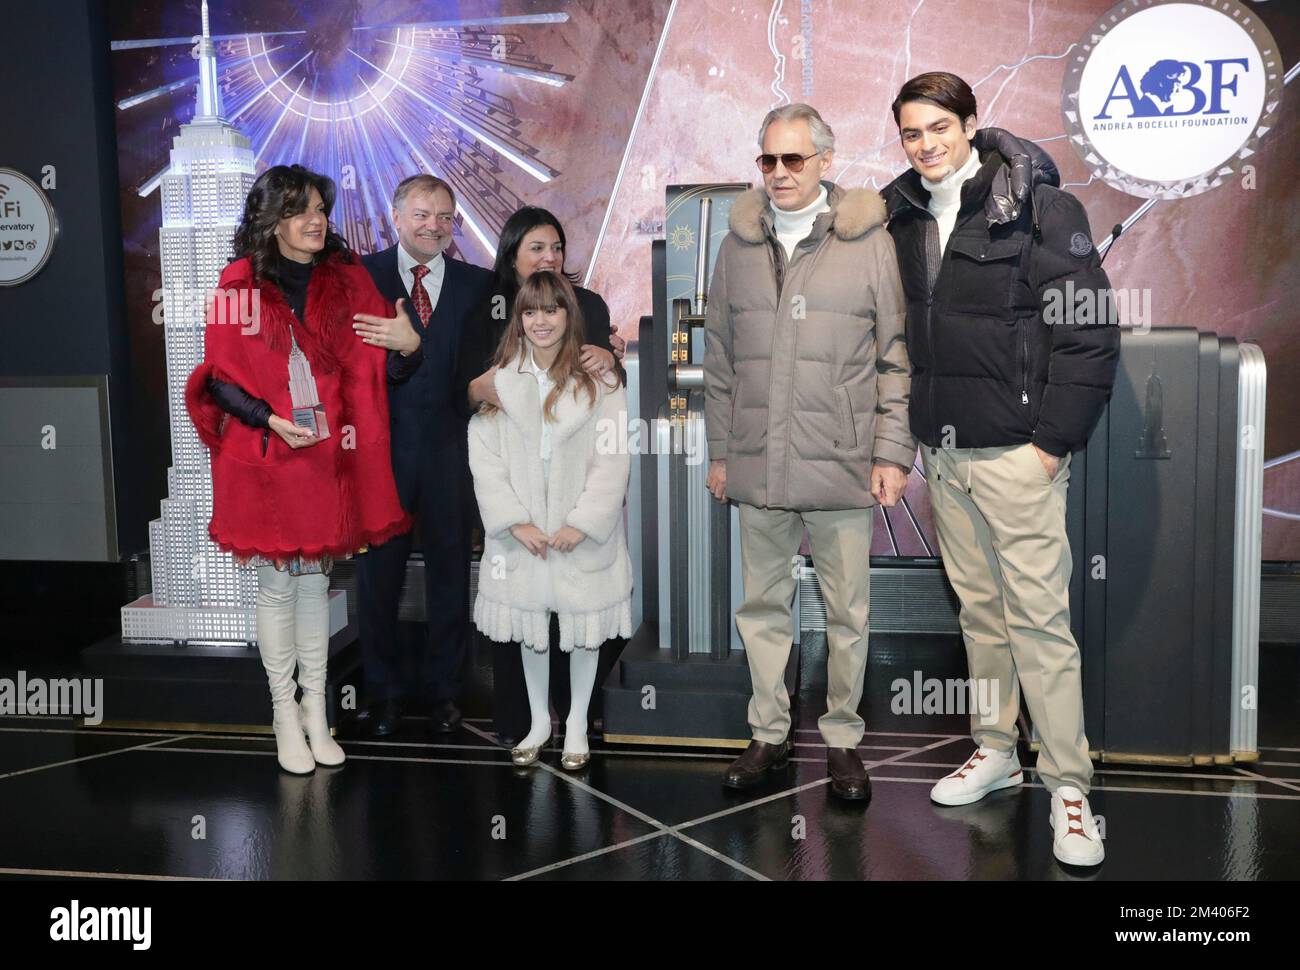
pixel 439 661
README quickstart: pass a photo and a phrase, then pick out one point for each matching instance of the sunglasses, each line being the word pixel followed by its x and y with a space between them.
pixel 793 163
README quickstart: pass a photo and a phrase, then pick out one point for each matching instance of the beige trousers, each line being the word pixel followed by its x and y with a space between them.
pixel 1001 525
pixel 769 548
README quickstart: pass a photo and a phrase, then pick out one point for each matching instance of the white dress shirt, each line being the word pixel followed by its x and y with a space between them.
pixel 544 385
pixel 432 283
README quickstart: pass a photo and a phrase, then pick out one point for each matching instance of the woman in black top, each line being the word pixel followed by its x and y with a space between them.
pixel 531 240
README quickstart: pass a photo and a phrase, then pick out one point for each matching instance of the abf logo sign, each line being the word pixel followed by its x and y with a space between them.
pixel 1168 83
pixel 1166 98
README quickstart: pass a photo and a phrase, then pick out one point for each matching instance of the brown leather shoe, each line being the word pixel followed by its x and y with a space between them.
pixel 748 770
pixel 848 778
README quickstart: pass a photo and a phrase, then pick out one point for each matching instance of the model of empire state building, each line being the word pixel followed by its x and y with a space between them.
pixel 200 594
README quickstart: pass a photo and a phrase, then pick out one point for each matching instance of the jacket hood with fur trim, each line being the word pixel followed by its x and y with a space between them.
pixel 854 212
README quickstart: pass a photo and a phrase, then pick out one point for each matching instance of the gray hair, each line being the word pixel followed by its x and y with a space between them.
pixel 823 138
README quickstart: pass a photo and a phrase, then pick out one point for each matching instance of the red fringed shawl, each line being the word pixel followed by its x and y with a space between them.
pixel 331 498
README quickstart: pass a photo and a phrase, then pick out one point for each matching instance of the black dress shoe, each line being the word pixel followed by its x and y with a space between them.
pixel 385 719
pixel 848 778
pixel 446 717
pixel 759 758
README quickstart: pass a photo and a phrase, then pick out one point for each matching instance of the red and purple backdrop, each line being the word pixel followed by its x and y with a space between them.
pixel 591 109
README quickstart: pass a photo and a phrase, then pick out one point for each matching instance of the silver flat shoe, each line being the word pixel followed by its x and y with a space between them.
pixel 523 757
pixel 573 762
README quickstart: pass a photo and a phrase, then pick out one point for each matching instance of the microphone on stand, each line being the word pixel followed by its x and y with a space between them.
pixel 1114 234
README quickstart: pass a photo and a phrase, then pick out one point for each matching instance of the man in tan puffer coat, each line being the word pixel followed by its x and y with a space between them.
pixel 806 392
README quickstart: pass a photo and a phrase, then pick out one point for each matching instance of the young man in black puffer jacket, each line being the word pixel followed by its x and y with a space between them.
pixel 1013 345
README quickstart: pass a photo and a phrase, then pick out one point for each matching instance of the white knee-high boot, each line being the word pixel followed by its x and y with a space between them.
pixel 276 601
pixel 312 633
pixel 582 681
pixel 537 678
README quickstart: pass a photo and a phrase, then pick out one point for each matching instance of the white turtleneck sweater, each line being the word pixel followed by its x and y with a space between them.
pixel 945 196
pixel 793 227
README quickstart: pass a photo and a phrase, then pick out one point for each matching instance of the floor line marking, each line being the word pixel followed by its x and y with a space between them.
pixel 74 761
pixel 1258 777
pixel 66 873
pixel 637 813
pixel 812 784
pixel 648 837
pixel 351 757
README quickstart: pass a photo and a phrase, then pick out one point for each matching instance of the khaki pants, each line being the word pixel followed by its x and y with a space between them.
pixel 1001 525
pixel 769 546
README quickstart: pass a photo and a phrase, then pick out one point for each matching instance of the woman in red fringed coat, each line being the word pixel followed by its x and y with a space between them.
pixel 285 499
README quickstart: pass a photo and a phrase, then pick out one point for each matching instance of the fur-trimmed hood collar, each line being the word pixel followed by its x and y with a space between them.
pixel 853 213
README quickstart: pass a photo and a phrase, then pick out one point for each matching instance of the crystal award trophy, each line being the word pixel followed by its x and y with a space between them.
pixel 308 412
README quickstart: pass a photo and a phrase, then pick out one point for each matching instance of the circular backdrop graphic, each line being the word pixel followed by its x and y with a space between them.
pixel 28 228
pixel 1168 98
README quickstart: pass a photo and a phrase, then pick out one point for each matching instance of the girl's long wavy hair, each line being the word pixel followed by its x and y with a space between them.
pixel 279 193
pixel 542 290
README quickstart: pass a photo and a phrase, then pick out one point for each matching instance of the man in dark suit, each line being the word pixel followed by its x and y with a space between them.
pixel 428 447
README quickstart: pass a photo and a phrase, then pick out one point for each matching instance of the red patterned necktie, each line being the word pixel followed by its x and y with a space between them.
pixel 420 296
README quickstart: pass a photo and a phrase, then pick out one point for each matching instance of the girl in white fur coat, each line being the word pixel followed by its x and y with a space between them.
pixel 550 475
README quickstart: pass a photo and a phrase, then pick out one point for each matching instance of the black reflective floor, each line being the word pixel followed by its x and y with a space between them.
pixel 156 805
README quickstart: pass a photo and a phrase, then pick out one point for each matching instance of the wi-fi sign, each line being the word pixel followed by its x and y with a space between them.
pixel 4 190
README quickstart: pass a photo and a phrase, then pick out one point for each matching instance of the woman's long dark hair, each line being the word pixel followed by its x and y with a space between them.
pixel 280 192
pixel 521 223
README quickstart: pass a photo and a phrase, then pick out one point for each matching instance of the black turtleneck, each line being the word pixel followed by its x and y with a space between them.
pixel 294 277
pixel 233 399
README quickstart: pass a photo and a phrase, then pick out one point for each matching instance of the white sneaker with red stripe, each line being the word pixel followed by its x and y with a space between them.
pixel 986 770
pixel 1076 839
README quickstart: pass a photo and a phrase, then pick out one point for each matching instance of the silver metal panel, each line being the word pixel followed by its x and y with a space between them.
pixel 737 578
pixel 632 367
pixel 662 436
pixel 1248 530
pixel 56 497
pixel 696 537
